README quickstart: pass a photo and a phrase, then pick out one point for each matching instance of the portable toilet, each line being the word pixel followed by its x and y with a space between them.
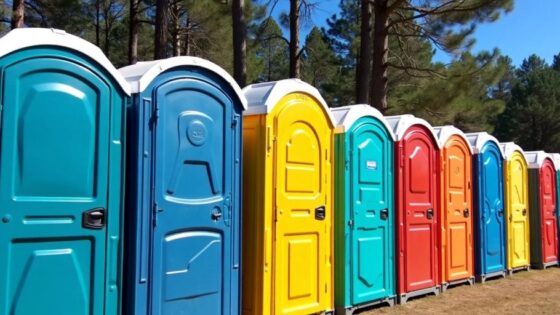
pixel 556 157
pixel 488 214
pixel 184 185
pixel 288 201
pixel 456 212
pixel 417 206
pixel 543 205
pixel 62 164
pixel 517 207
pixel 364 209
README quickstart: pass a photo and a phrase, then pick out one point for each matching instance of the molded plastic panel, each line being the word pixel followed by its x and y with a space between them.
pixel 60 157
pixel 303 248
pixel 184 210
pixel 371 211
pixel 548 212
pixel 517 211
pixel 457 210
pixel 417 159
pixel 489 212
pixel 193 190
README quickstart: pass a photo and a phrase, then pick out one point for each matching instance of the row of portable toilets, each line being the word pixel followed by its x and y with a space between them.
pixel 253 201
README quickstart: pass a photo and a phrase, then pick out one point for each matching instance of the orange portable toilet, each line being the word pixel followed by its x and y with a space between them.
pixel 456 207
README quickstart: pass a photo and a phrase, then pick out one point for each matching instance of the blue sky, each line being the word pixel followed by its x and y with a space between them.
pixel 532 27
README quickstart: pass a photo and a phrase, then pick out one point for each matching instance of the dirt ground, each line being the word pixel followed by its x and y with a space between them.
pixel 534 292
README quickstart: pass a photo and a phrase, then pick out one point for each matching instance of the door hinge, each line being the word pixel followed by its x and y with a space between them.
pixel 235 121
pixel 269 140
pixel 155 212
pixel 155 114
pixel 227 205
pixel 351 223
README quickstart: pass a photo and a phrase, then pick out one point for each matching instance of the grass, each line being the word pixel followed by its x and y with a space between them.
pixel 534 292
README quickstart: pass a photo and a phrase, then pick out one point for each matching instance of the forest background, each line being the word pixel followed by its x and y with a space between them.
pixel 379 52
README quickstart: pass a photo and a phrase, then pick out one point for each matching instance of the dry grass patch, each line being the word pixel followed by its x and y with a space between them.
pixel 534 292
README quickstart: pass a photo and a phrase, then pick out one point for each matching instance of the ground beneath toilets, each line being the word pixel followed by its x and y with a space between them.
pixel 534 292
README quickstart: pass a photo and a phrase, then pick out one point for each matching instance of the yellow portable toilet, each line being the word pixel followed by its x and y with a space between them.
pixel 517 207
pixel 287 200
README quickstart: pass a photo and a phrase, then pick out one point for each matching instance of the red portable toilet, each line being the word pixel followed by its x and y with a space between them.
pixel 417 155
pixel 543 206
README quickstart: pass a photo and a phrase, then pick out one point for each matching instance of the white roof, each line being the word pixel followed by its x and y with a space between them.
pixel 535 159
pixel 556 159
pixel 262 97
pixel 346 116
pixel 400 124
pixel 444 132
pixel 22 38
pixel 477 140
pixel 141 74
pixel 508 148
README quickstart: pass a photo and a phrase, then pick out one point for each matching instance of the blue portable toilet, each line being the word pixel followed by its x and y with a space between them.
pixel 364 209
pixel 61 160
pixel 488 196
pixel 184 188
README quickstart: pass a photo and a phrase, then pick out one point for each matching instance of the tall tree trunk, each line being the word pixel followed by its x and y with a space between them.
pixel 269 62
pixel 239 43
pixel 187 47
pixel 133 33
pixel 294 38
pixel 176 33
pixel 18 12
pixel 97 22
pixel 162 17
pixel 380 55
pixel 364 59
pixel 108 27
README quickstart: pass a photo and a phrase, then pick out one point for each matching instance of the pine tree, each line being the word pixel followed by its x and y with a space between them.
pixel 532 115
pixel 448 25
pixel 270 49
pixel 320 67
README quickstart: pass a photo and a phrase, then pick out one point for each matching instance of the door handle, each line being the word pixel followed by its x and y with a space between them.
pixel 524 212
pixel 430 213
pixel 501 212
pixel 384 214
pixel 466 213
pixel 93 219
pixel 320 213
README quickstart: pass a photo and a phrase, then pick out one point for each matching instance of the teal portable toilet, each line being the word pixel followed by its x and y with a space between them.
pixel 364 233
pixel 183 188
pixel 61 154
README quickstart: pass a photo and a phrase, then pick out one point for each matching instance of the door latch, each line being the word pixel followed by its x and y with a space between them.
pixel 93 218
pixel 384 214
pixel 320 213
pixel 216 214
pixel 430 213
pixel 466 213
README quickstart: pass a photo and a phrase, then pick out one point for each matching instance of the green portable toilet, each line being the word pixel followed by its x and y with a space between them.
pixel 543 204
pixel 364 211
pixel 61 160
